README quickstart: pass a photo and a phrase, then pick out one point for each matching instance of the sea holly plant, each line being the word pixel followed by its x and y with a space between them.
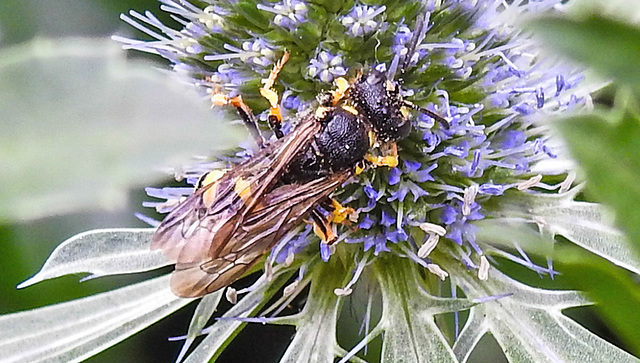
pixel 488 188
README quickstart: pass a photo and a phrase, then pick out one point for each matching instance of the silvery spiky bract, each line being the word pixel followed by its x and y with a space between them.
pixel 423 243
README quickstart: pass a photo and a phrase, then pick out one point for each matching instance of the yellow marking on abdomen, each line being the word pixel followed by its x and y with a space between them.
pixel 212 176
pixel 405 112
pixel 209 196
pixel 242 189
pixel 372 138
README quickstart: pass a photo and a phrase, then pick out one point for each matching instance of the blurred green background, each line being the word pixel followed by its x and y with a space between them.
pixel 24 246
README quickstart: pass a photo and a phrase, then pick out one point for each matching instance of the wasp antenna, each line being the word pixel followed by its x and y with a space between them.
pixel 270 94
pixel 443 121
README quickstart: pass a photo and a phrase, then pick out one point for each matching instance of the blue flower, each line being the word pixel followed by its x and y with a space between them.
pixel 360 20
pixel 326 67
pixel 488 146
pixel 485 78
pixel 367 222
pixel 377 241
pixel 289 13
pixel 402 37
pixel 394 176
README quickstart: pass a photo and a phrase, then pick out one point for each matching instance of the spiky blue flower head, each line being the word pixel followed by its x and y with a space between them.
pixel 471 64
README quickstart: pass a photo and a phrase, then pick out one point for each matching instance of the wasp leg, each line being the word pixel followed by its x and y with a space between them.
pixel 389 158
pixel 219 99
pixel 339 213
pixel 322 227
pixel 267 91
pixel 443 121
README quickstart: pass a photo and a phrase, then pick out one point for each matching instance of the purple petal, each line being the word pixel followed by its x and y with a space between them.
pixel 398 194
pixel 394 176
pixel 325 251
pixel 367 222
pixel 449 215
pixel 386 219
pixel 410 166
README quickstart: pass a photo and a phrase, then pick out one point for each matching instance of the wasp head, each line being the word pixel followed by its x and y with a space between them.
pixel 378 99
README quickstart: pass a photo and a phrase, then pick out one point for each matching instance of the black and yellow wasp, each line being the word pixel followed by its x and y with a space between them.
pixel 234 218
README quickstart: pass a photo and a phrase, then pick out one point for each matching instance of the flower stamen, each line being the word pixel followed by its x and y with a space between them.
pixel 483 271
pixel 438 271
pixel 532 182
pixel 231 295
pixel 429 245
pixel 347 290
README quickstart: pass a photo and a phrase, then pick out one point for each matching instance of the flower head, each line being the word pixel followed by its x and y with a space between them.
pixel 465 61
pixel 483 76
pixel 289 13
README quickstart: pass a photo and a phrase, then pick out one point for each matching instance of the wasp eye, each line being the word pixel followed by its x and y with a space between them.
pixel 403 130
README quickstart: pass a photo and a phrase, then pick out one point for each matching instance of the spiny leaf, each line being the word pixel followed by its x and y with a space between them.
pixel 410 331
pixel 529 325
pixel 609 152
pixel 77 329
pixel 222 332
pixel 102 252
pixel 318 319
pixel 588 225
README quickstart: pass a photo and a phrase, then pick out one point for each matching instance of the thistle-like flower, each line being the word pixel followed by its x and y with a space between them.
pixel 484 78
pixel 417 238
pixel 492 94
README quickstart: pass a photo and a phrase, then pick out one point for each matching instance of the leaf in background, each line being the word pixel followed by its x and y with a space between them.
pixel 80 125
pixel 610 155
pixel 75 330
pixel 615 291
pixel 606 45
pixel 625 10
pixel 21 20
pixel 102 252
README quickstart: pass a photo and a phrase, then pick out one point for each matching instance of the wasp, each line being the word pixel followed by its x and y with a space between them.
pixel 235 217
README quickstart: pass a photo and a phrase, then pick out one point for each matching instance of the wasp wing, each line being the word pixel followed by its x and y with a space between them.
pixel 280 210
pixel 207 219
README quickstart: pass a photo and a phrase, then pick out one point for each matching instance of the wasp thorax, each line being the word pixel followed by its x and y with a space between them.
pixel 378 100
pixel 342 143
